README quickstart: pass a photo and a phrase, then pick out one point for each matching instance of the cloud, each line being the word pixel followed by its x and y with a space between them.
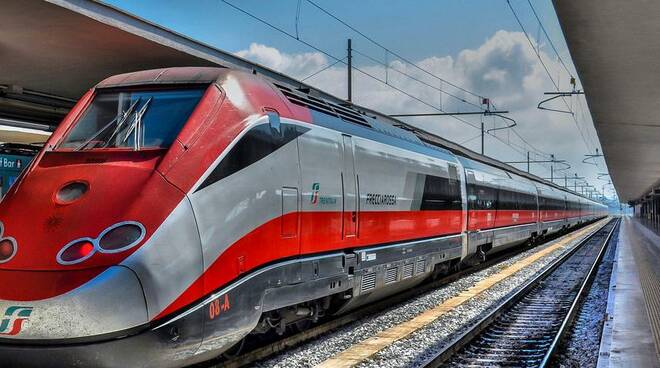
pixel 504 68
pixel 298 65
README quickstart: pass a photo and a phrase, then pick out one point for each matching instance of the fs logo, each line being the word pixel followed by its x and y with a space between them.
pixel 12 322
pixel 315 194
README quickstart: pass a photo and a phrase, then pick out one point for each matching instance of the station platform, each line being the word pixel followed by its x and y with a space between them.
pixel 631 335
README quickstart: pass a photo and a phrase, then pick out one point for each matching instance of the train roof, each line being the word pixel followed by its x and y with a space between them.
pixel 299 90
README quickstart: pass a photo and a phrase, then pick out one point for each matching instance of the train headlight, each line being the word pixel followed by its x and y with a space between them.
pixel 115 239
pixel 76 251
pixel 7 249
pixel 120 237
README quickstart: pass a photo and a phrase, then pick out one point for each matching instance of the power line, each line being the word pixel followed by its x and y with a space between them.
pixel 549 39
pixel 470 139
pixel 531 44
pixel 509 144
pixel 338 59
pixel 322 70
pixel 414 78
pixel 538 55
pixel 388 51
pixel 370 39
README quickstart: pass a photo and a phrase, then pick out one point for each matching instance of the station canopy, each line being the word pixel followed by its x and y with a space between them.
pixel 52 52
pixel 616 50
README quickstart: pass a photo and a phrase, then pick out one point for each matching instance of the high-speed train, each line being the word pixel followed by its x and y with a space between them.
pixel 175 211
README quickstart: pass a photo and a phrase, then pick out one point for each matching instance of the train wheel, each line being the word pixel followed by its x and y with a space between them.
pixel 302 325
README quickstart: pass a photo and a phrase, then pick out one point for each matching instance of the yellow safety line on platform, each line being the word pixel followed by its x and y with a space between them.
pixel 367 348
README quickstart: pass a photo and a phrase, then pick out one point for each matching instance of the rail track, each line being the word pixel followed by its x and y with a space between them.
pixel 526 329
pixel 252 354
pixel 290 341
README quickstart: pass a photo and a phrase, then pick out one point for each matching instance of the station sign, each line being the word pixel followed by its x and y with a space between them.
pixel 11 167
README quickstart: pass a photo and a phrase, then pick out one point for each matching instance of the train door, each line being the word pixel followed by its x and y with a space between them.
pixel 349 184
pixel 321 163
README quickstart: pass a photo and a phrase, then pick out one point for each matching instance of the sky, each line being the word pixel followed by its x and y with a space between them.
pixel 449 47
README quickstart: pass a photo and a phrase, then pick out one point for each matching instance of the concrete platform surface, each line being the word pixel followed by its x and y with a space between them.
pixel 631 337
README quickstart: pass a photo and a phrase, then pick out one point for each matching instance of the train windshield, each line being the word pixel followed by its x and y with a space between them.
pixel 132 119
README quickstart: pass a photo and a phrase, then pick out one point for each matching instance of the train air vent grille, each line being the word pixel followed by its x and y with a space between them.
pixel 368 281
pixel 408 270
pixel 391 275
pixel 420 266
pixel 338 111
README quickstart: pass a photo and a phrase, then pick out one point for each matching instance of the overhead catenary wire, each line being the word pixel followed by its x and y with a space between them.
pixel 339 60
pixel 370 39
pixel 415 65
pixel 413 78
pixel 387 67
pixel 520 150
pixel 538 55
pixel 330 65
pixel 389 51
pixel 547 36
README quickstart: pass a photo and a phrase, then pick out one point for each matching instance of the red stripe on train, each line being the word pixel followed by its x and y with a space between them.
pixel 321 232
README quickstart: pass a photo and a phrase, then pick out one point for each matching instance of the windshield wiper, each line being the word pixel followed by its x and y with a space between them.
pixel 85 143
pixel 124 117
pixel 137 126
pixel 123 121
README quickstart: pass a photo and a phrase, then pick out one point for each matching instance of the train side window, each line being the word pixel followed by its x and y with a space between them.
pixel 256 144
pixel 440 195
pixel 506 200
pixel 529 202
pixel 454 188
pixel 453 179
pixel 482 197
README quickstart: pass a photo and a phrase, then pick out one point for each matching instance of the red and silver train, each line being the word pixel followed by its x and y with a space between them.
pixel 175 211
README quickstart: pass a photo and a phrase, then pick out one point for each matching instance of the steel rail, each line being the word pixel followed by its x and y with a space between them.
pixel 575 307
pixel 464 339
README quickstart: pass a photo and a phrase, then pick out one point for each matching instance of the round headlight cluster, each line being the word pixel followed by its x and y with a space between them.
pixel 8 246
pixel 76 251
pixel 120 237
pixel 115 239
pixel 7 249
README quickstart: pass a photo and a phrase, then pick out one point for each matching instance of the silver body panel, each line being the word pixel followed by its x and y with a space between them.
pixel 111 302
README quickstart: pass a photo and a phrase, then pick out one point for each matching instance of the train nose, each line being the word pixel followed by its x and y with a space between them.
pixel 110 303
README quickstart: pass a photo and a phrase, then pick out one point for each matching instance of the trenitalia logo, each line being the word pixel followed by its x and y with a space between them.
pixel 315 193
pixel 12 323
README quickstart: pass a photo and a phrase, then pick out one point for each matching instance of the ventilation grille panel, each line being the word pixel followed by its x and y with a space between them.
pixel 368 281
pixel 391 275
pixel 408 270
pixel 323 106
pixel 419 266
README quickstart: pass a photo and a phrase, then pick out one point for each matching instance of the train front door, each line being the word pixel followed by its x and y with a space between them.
pixel 349 183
